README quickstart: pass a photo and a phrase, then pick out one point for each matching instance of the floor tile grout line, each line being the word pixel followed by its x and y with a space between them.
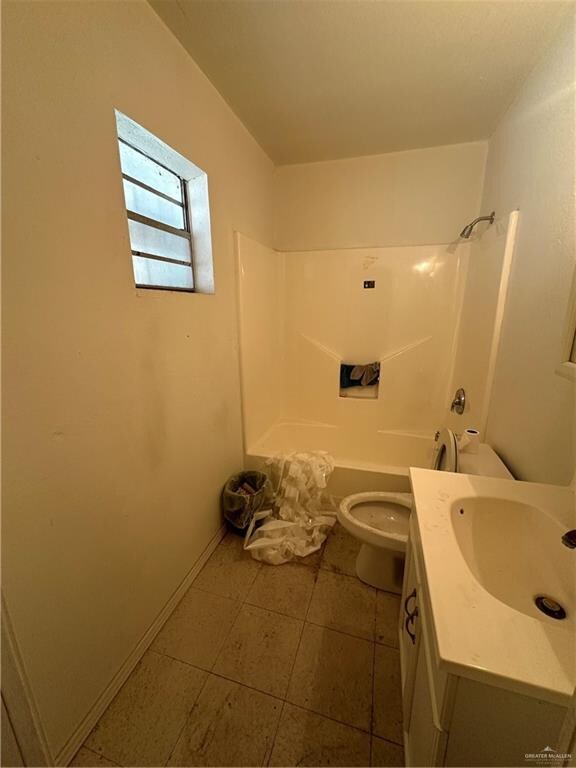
pixel 298 647
pixel 241 601
pixel 225 638
pixel 209 672
pixel 307 611
pixel 331 718
pixel 371 590
pixel 214 593
pixel 388 741
pixel 356 579
pixel 273 610
pixel 312 568
pixel 189 715
pixel 333 569
pixel 374 619
pixel 340 631
pixel 264 610
pixel 257 573
pixel 98 754
pixel 387 645
pixel 250 687
pixel 273 744
pixel 293 664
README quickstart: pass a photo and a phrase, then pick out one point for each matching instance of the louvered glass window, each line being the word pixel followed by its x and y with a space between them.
pixel 158 222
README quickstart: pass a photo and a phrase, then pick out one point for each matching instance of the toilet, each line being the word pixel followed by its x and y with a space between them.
pixel 380 519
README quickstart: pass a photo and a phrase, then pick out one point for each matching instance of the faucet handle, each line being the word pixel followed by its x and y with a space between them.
pixel 459 402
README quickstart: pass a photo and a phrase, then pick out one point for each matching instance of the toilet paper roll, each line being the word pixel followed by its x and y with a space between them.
pixel 469 441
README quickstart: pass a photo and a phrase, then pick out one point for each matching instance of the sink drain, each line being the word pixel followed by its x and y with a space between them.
pixel 550 607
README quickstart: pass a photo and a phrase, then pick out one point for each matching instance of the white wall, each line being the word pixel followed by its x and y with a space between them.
pixel 531 166
pixel 419 197
pixel 122 406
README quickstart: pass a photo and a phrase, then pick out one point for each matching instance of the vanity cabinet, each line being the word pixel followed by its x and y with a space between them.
pixel 409 630
pixel 424 737
pixel 453 720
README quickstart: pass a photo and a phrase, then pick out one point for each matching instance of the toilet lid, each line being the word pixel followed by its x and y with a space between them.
pixel 446 453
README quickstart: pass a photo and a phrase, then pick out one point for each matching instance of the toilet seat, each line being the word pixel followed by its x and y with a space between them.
pixel 377 518
pixel 446 452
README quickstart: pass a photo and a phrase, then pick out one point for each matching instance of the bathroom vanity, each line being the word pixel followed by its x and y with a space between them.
pixel 486 678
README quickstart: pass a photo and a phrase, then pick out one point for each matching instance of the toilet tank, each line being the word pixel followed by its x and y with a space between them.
pixel 486 462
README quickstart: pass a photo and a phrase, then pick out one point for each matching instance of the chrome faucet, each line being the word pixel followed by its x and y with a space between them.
pixel 569 539
pixel 459 402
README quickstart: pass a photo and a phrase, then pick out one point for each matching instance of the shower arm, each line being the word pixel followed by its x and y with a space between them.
pixel 467 231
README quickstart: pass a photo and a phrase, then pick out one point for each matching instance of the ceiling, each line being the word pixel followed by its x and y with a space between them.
pixel 324 79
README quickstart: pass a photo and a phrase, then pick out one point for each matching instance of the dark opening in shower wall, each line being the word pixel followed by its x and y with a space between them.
pixel 359 380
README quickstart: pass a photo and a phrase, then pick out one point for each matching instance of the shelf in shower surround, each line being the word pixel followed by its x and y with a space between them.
pixel 361 393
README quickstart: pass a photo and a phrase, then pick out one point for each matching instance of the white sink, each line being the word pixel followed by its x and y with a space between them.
pixel 489 547
pixel 515 551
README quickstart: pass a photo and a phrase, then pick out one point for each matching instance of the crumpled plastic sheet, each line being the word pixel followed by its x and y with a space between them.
pixel 302 515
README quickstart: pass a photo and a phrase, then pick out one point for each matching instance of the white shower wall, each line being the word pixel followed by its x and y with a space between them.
pixel 261 329
pixel 303 313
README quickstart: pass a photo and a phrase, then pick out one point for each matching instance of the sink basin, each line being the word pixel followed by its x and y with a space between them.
pixel 515 552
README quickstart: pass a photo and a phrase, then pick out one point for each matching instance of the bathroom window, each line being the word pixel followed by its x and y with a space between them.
pixel 167 206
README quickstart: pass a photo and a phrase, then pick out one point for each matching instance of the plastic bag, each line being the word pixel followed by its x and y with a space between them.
pixel 243 495
pixel 302 516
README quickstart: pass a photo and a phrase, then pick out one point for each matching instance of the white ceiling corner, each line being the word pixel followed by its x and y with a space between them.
pixel 324 79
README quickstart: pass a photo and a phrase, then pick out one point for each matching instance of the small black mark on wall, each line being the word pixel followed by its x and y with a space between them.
pixel 369 283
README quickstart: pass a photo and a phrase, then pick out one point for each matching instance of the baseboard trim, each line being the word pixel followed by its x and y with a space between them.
pixel 18 698
pixel 81 733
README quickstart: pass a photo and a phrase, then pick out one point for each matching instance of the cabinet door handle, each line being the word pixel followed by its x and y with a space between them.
pixel 410 621
pixel 411 596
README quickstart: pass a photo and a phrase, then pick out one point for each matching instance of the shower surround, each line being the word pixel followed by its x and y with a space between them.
pixel 302 314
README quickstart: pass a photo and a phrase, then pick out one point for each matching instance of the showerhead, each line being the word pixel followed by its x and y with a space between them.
pixel 467 231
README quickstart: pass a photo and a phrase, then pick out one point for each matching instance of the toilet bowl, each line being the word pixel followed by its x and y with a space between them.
pixel 380 520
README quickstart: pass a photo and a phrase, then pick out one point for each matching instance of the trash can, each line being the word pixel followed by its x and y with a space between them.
pixel 244 494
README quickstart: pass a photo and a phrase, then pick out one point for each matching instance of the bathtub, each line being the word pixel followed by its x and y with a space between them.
pixel 375 460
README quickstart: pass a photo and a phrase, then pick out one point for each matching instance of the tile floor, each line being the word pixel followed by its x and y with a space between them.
pixel 291 665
